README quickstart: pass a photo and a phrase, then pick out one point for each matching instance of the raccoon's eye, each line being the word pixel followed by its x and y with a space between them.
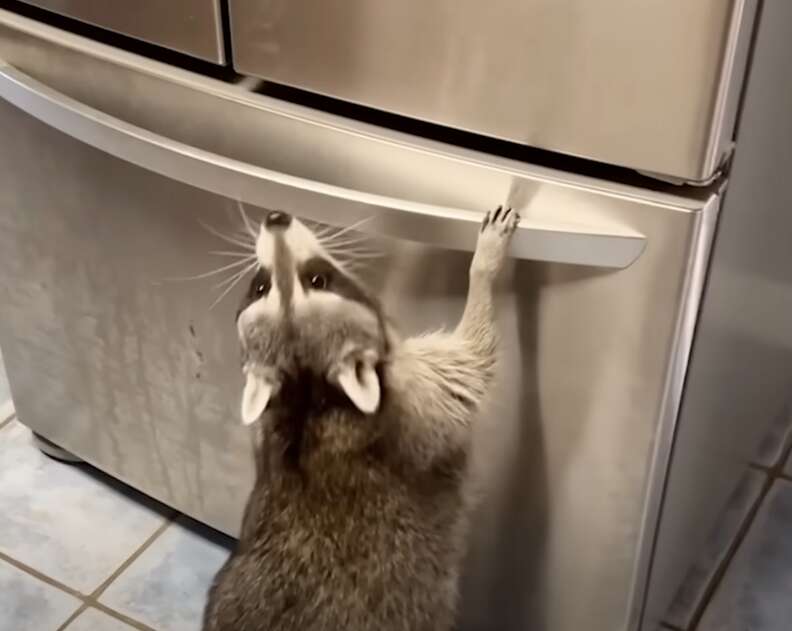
pixel 261 285
pixel 319 281
pixel 317 274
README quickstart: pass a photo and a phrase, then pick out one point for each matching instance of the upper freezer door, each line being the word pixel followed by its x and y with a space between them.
pixel 648 85
pixel 188 26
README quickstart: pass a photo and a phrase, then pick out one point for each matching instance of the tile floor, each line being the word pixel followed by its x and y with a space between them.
pixel 82 552
pixel 743 580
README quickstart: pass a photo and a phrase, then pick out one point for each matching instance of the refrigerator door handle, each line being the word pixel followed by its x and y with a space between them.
pixel 600 246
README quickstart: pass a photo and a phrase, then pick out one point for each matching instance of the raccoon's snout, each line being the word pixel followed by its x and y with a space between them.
pixel 278 219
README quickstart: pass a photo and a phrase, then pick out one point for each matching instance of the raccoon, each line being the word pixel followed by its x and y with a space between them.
pixel 357 518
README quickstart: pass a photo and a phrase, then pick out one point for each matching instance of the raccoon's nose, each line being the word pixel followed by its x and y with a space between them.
pixel 278 219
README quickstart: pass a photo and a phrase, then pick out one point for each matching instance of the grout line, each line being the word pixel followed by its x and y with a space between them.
pixel 42 577
pixel 86 601
pixel 135 624
pixel 783 453
pixel 7 410
pixel 786 456
pixel 773 473
pixel 73 617
pixel 761 467
pixel 95 594
pixel 786 448
pixel 7 415
pixel 85 606
pixel 731 551
pixel 92 599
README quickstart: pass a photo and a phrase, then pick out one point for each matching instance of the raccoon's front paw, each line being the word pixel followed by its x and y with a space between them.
pixel 493 240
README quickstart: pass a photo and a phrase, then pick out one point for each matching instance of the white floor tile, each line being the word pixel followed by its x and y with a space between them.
pixel 712 556
pixel 95 620
pixel 166 586
pixel 755 591
pixel 66 522
pixel 28 604
pixel 6 410
pixel 772 446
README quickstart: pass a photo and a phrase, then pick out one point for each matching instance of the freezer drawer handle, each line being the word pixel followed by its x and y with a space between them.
pixel 452 228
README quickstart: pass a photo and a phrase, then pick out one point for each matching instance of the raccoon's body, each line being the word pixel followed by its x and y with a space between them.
pixel 358 515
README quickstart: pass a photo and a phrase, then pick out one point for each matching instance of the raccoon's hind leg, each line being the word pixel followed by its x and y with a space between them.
pixel 442 377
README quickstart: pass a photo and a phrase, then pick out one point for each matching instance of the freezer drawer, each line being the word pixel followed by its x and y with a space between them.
pixel 188 26
pixel 650 85
pixel 118 174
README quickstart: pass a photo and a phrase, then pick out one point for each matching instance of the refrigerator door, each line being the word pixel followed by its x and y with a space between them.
pixel 649 85
pixel 119 173
pixel 188 26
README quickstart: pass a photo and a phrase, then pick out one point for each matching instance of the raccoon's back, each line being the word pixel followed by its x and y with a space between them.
pixel 374 558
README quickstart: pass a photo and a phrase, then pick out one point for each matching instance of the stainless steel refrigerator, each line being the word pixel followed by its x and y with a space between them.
pixel 609 125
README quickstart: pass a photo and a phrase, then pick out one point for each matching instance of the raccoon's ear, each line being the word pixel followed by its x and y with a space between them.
pixel 255 397
pixel 360 382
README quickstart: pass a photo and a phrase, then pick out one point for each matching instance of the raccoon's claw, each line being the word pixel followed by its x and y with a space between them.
pixel 493 241
pixel 499 218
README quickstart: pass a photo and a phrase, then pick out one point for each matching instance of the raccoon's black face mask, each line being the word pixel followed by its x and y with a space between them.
pixel 304 314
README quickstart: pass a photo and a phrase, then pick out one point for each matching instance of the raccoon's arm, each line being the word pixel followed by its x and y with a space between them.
pixel 441 378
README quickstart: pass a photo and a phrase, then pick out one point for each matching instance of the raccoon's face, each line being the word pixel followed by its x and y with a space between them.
pixel 305 320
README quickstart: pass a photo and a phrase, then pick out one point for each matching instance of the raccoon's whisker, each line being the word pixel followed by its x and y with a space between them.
pixel 360 259
pixel 353 264
pixel 334 230
pixel 234 276
pixel 355 245
pixel 344 267
pixel 213 272
pixel 243 235
pixel 249 245
pixel 248 227
pixel 247 238
pixel 357 253
pixel 346 242
pixel 230 283
pixel 354 226
pixel 246 255
pixel 233 282
pixel 367 256
pixel 352 245
pixel 320 229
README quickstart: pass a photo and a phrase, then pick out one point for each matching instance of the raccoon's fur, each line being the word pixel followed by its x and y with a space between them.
pixel 357 518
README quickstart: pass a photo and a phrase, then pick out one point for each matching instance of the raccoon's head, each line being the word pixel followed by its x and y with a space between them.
pixel 308 329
